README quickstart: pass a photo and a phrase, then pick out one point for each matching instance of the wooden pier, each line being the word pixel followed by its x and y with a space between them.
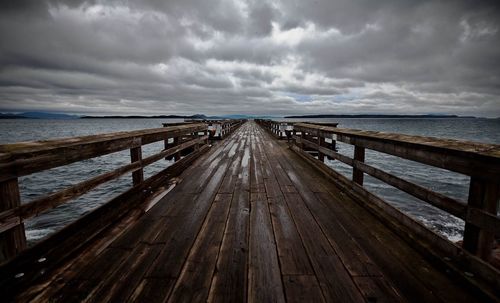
pixel 250 218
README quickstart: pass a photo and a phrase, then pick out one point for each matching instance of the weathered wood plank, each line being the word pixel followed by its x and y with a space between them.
pixel 24 158
pixel 13 241
pixel 141 281
pixel 469 158
pixel 334 280
pixel 453 206
pixel 53 200
pixel 229 283
pixel 186 223
pixel 35 148
pixel 229 181
pixel 303 289
pixel 65 244
pixel 409 289
pixel 118 285
pixel 283 231
pixel 291 252
pixel 376 289
pixel 136 156
pixel 78 289
pixel 264 278
pixel 486 196
pixel 485 220
pixel 292 255
pixel 353 257
pixel 194 281
pixel 42 292
pixel 359 155
pixel 230 280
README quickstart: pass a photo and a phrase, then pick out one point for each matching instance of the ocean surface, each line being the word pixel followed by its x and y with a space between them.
pixel 39 184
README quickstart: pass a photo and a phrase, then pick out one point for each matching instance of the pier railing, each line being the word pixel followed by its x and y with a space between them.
pixel 218 129
pixel 481 162
pixel 281 130
pixel 25 158
pixel 284 129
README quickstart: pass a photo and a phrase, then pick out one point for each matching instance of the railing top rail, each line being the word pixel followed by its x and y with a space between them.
pixel 461 148
pixel 21 159
pixel 217 121
pixel 332 124
pixel 11 151
pixel 166 124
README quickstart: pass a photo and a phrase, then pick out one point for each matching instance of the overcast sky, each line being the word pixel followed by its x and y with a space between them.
pixel 250 57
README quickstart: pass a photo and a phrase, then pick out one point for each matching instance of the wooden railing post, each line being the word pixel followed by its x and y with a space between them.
pixel 166 146
pixel 12 241
pixel 294 135
pixel 302 137
pixel 359 155
pixel 321 142
pixel 194 137
pixel 483 195
pixel 177 155
pixel 135 156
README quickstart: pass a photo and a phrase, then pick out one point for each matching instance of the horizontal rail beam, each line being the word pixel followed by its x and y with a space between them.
pixel 43 204
pixel 484 220
pixel 73 238
pixel 469 158
pixel 438 200
pixel 20 159
pixel 425 240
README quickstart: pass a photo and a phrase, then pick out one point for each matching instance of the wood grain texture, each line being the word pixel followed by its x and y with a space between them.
pixel 469 158
pixel 20 159
pixel 253 221
pixel 13 240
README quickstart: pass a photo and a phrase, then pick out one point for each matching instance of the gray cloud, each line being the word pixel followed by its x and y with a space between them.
pixel 253 57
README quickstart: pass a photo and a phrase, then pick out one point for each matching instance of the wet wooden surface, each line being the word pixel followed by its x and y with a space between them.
pixel 251 221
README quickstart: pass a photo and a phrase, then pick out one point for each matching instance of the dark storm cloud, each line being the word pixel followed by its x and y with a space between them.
pixel 255 57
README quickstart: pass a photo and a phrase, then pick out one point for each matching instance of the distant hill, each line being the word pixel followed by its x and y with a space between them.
pixel 374 116
pixel 11 116
pixel 246 117
pixel 46 115
pixel 38 115
pixel 197 116
pixel 148 117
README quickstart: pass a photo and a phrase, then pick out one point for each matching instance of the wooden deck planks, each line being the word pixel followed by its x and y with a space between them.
pixel 293 257
pixel 264 277
pixel 334 280
pixel 178 242
pixel 194 282
pixel 250 221
pixel 353 258
pixel 302 288
pixel 409 273
pixel 229 283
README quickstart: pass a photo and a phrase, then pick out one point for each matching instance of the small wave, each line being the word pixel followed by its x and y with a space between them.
pixel 37 234
pixel 451 228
